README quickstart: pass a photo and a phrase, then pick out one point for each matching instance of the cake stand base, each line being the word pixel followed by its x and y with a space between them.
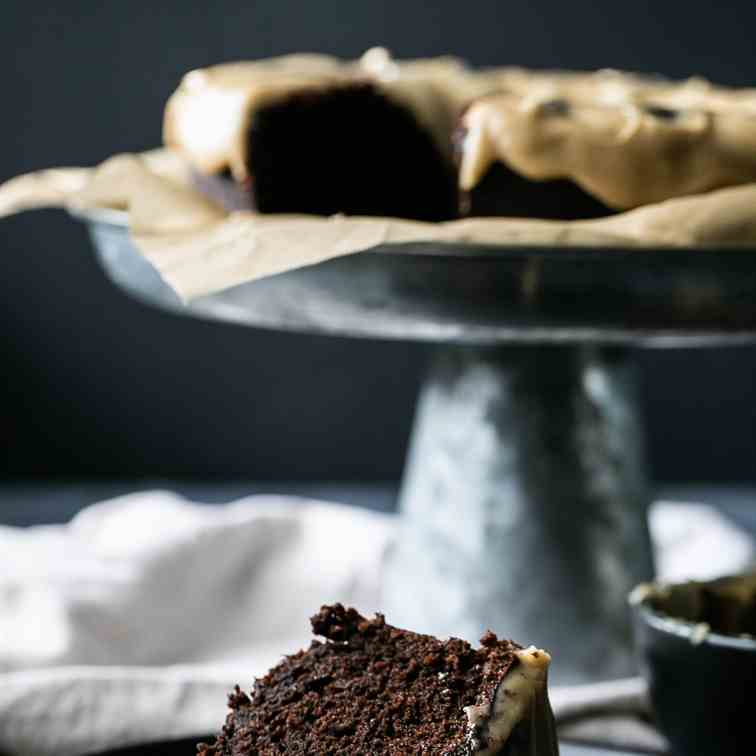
pixel 523 507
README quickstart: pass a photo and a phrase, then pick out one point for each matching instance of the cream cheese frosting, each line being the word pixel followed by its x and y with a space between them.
pixel 521 700
pixel 627 140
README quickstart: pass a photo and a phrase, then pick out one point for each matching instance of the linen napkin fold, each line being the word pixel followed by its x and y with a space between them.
pixel 130 623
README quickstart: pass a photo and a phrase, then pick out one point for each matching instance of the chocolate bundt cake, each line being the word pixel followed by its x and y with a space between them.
pixel 433 139
pixel 370 688
pixel 311 134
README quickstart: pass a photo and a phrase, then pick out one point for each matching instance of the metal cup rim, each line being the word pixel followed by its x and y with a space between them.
pixel 640 598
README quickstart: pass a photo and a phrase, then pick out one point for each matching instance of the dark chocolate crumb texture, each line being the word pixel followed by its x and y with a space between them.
pixel 370 688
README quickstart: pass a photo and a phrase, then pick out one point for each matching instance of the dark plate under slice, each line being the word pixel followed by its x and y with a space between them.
pixel 184 747
pixel 187 748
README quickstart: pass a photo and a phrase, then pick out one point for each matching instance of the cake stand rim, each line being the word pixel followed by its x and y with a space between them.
pixel 423 325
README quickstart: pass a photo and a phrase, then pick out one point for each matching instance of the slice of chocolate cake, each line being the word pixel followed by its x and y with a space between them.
pixel 370 688
pixel 315 135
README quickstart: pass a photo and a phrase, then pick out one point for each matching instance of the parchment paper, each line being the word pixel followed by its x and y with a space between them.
pixel 200 249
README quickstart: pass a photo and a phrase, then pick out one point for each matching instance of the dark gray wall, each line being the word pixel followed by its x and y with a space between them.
pixel 96 384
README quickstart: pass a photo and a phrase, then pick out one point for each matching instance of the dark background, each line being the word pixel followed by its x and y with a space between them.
pixel 98 385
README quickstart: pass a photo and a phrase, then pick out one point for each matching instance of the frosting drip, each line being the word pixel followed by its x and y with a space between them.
pixel 628 141
pixel 208 115
pixel 520 702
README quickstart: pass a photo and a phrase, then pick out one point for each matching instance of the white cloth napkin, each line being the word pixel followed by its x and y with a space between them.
pixel 132 622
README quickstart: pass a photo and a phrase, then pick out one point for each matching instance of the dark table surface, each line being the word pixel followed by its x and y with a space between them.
pixel 28 502
pixel 184 747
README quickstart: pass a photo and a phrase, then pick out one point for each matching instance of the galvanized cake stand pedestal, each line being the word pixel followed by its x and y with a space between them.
pixel 523 505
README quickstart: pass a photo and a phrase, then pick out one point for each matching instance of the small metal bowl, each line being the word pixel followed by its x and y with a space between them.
pixel 698 653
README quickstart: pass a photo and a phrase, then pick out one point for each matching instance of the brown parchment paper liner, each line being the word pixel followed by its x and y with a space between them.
pixel 200 249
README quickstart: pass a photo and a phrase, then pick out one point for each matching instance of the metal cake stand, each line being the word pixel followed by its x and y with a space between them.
pixel 523 504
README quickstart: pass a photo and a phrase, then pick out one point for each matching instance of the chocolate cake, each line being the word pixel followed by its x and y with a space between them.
pixel 370 688
pixel 504 192
pixel 318 135
pixel 313 135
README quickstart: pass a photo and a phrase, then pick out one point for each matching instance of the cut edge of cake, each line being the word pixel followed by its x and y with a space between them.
pixel 373 688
